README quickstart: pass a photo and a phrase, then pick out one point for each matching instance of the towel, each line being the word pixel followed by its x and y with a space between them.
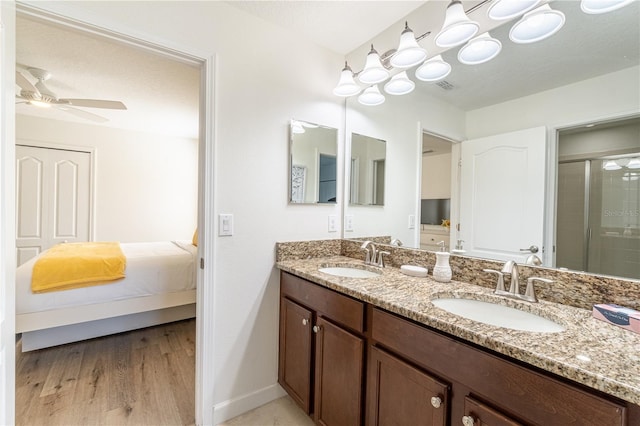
pixel 74 265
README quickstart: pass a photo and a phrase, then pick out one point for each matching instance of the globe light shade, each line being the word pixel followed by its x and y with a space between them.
pixel 479 50
pixel 371 96
pixel 399 84
pixel 506 9
pixel 433 69
pixel 346 85
pixel 409 53
pixel 457 27
pixel 594 7
pixel 537 25
pixel 374 72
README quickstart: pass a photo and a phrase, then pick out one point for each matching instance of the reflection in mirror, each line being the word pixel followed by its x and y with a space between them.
pixel 312 163
pixel 598 211
pixel 435 192
pixel 368 157
pixel 553 84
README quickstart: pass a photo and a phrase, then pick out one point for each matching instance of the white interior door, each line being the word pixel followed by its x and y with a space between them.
pixel 53 189
pixel 502 194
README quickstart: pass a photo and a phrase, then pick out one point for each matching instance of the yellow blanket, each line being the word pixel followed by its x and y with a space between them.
pixel 74 265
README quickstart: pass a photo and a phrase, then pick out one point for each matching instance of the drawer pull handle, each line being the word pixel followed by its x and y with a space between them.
pixel 436 401
pixel 305 321
pixel 317 329
pixel 468 421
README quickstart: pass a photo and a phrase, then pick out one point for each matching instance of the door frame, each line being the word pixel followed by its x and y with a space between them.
pixel 92 151
pixel 205 386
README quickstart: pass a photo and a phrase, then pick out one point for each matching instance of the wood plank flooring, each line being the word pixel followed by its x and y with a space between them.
pixel 141 377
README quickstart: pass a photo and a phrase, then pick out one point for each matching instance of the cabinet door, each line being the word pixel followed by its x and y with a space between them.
pixel 399 394
pixel 294 373
pixel 338 379
pixel 479 414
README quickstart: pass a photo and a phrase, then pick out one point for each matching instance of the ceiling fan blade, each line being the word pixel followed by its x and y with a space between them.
pixel 25 84
pixel 82 114
pixel 94 103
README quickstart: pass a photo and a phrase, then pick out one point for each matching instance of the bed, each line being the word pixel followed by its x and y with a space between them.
pixel 159 287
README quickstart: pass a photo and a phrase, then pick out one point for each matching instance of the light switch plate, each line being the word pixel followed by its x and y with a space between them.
pixel 333 223
pixel 412 221
pixel 348 223
pixel 225 225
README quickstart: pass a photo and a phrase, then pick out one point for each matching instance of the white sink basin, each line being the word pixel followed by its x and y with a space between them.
pixel 497 315
pixel 348 272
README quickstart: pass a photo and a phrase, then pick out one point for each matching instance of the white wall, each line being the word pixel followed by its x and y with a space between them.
pixel 146 185
pixel 259 86
pixel 606 96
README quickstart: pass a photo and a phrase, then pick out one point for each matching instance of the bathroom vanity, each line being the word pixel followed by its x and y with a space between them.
pixel 375 351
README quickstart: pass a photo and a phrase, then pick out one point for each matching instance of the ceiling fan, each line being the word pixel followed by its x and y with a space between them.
pixel 40 95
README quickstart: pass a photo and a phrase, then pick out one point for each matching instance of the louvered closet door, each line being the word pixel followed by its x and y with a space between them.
pixel 52 198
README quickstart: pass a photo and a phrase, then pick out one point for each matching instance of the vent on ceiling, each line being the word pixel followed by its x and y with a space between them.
pixel 445 85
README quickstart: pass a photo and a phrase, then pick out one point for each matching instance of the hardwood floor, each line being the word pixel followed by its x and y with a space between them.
pixel 142 377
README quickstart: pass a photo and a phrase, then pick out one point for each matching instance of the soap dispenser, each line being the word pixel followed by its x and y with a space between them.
pixel 442 270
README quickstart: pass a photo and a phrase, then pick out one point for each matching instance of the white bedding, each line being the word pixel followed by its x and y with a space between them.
pixel 152 268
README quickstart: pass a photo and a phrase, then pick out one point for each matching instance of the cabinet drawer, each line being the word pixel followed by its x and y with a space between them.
pixel 326 302
pixel 536 398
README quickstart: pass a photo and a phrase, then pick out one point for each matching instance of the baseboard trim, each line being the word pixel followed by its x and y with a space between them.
pixel 234 407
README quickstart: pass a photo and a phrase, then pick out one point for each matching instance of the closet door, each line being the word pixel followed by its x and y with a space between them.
pixel 53 188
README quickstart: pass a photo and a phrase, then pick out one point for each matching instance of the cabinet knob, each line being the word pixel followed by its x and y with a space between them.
pixel 468 421
pixel 317 329
pixel 305 321
pixel 436 401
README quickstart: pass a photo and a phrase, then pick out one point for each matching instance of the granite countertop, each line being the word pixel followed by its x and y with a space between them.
pixel 599 355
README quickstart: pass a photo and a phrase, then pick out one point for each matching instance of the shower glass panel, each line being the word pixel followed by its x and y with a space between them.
pixel 598 216
pixel 614 218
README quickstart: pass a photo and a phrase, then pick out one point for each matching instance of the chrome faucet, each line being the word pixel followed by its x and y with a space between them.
pixel 370 249
pixel 511 268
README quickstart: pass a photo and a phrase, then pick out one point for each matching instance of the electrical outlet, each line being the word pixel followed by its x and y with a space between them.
pixel 333 223
pixel 348 223
pixel 412 221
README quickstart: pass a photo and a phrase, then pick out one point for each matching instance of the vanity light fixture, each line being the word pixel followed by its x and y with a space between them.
pixel 634 163
pixel 457 27
pixel 297 127
pixel 409 53
pixel 374 72
pixel 507 9
pixel 594 7
pixel 399 84
pixel 346 85
pixel 371 96
pixel 479 50
pixel 433 69
pixel 537 25
pixel 611 165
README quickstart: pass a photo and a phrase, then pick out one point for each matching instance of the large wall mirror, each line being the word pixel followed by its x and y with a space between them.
pixel 312 163
pixel 367 171
pixel 588 73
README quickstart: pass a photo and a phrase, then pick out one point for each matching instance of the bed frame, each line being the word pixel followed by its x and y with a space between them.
pixel 77 323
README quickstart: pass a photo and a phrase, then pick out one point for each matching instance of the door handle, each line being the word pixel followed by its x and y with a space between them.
pixel 532 249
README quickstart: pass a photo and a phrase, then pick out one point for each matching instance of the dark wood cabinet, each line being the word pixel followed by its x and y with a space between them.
pixel 322 351
pixel 294 371
pixel 400 394
pixel 338 378
pixel 479 414
pixel 415 375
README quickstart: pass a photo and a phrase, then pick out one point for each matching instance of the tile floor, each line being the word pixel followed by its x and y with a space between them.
pixel 281 412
